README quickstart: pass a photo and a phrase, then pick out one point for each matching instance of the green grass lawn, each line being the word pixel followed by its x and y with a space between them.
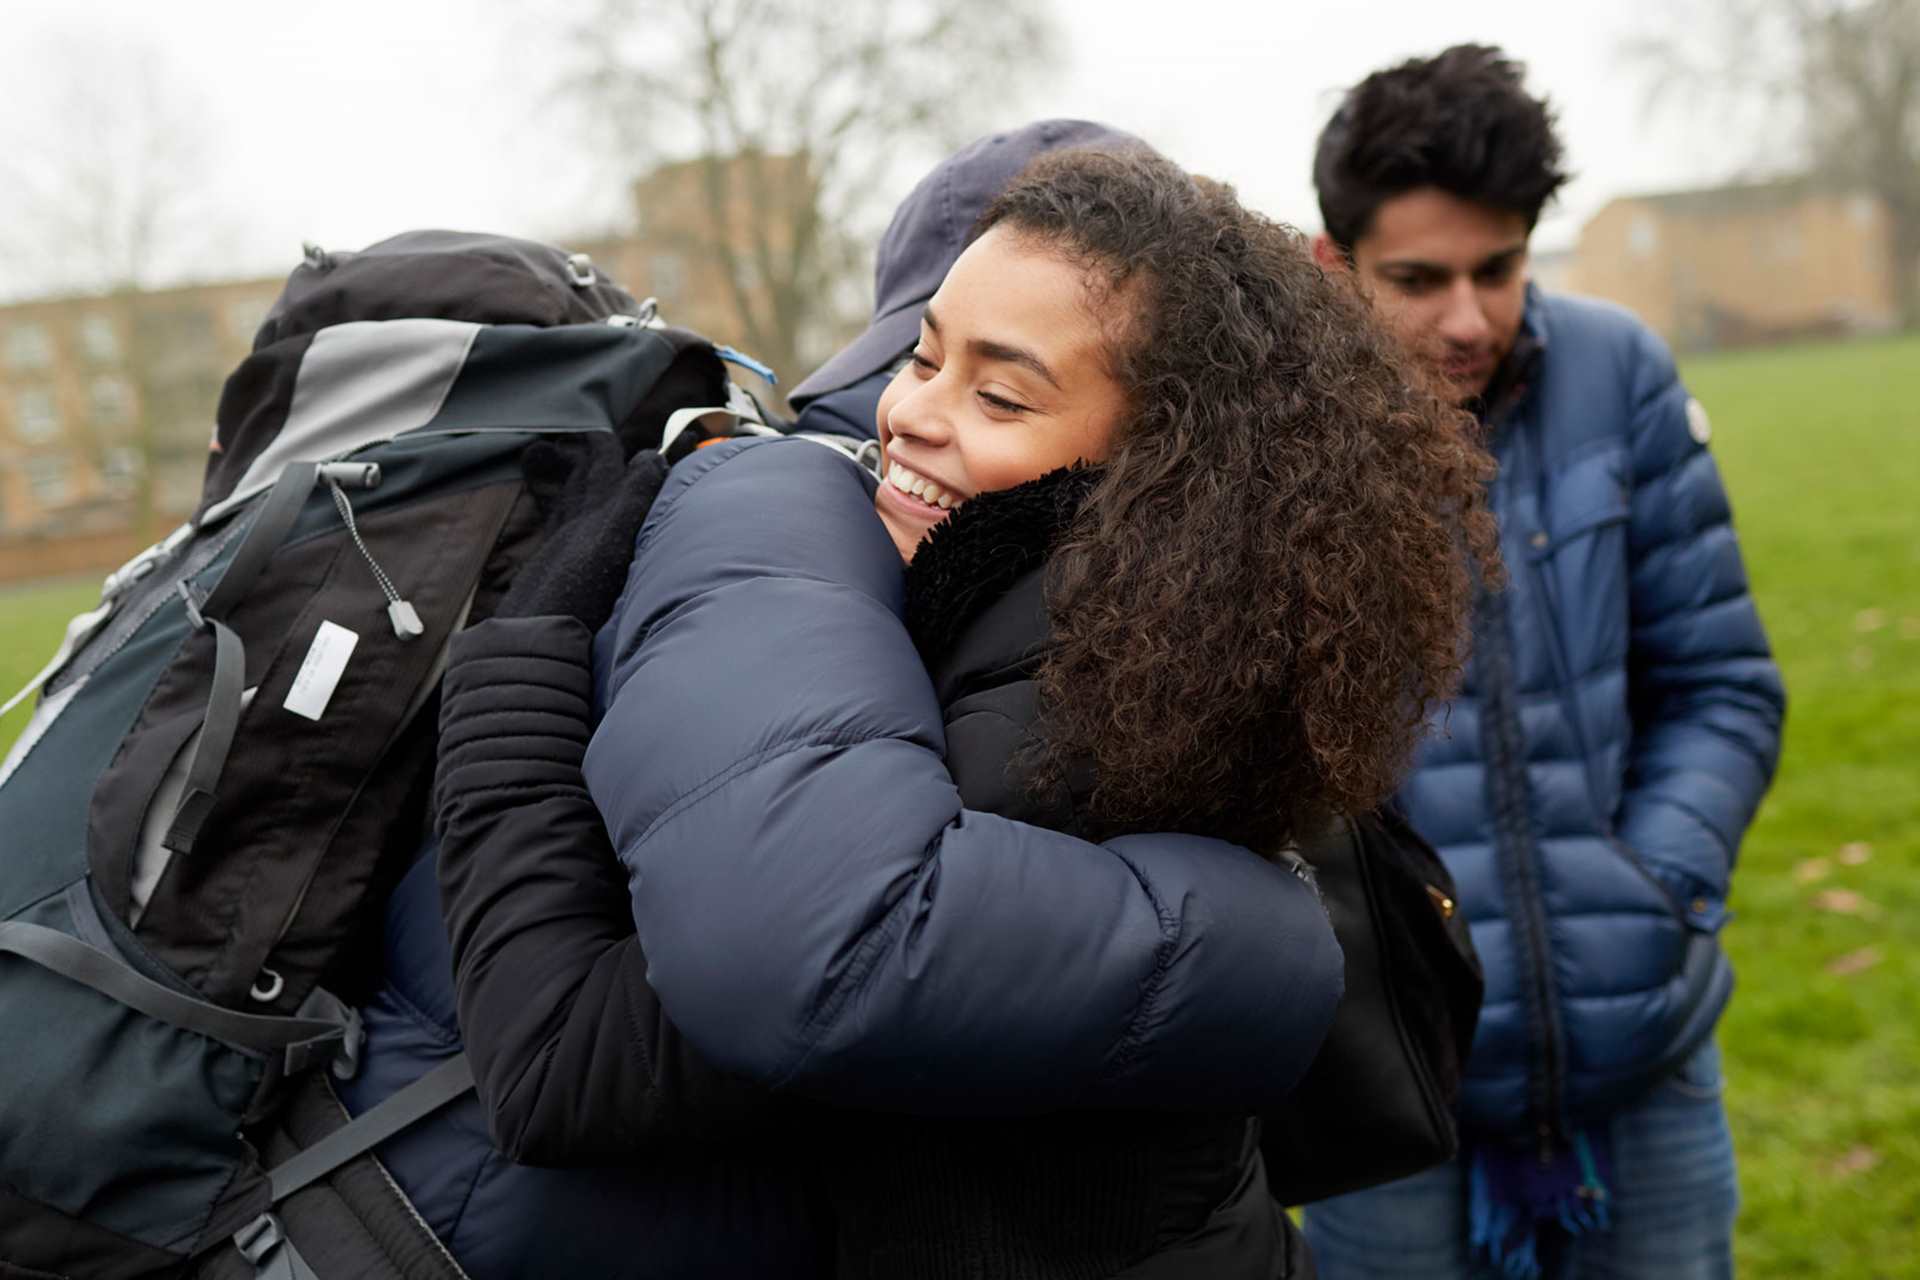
pixel 1821 449
pixel 32 619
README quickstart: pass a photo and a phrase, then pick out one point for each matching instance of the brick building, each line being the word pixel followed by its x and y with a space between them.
pixel 106 407
pixel 1743 264
pixel 107 402
pixel 690 217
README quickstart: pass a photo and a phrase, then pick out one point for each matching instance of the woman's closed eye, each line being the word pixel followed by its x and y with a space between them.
pixel 1001 404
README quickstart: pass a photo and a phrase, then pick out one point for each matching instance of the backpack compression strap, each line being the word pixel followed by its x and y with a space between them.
pixel 264 1241
pixel 271 524
pixel 301 1041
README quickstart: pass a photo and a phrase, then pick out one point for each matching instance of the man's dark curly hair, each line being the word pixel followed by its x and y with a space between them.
pixel 1268 587
pixel 1460 121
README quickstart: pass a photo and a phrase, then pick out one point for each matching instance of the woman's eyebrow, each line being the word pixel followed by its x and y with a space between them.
pixel 987 349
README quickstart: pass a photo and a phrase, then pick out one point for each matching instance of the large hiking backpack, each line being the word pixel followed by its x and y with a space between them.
pixel 226 771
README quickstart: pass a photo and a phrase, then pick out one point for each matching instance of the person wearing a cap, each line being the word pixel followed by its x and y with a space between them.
pixel 927 234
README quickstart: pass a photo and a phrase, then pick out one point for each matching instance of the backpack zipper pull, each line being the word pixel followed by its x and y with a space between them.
pixel 403 616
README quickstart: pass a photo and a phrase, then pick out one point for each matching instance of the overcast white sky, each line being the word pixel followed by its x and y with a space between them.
pixel 346 121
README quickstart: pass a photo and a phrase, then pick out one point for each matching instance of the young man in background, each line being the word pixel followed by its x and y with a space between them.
pixel 1619 723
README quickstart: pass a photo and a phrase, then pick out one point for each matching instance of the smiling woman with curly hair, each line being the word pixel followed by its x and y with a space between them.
pixel 1268 585
pixel 945 816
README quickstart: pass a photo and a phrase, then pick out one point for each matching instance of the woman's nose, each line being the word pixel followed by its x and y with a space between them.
pixel 924 413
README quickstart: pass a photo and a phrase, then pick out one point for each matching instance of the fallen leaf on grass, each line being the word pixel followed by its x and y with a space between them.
pixel 1855 854
pixel 1910 628
pixel 1854 962
pixel 1811 870
pixel 1869 620
pixel 1855 1161
pixel 1845 902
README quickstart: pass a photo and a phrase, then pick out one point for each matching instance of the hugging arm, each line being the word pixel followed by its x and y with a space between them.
pixel 819 910
pixel 573 1059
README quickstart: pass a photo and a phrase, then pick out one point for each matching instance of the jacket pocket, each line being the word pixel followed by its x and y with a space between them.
pixel 1645 872
pixel 1543 544
pixel 1592 495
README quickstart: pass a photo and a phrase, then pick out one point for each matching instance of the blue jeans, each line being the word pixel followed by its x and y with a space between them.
pixel 1673 1201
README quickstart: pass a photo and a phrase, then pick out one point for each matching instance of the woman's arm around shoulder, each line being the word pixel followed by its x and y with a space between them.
pixel 818 909
pixel 573 1058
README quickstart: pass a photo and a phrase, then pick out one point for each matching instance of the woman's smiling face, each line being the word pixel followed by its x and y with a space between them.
pixel 1011 379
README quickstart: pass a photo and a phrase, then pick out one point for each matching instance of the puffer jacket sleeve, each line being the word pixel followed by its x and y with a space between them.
pixel 1706 698
pixel 573 1058
pixel 820 912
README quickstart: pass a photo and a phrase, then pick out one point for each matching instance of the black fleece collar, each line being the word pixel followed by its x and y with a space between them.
pixel 980 551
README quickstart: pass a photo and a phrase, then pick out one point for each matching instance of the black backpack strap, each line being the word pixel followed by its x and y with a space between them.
pixel 298 1040
pixel 264 1241
pixel 374 1126
pixel 270 527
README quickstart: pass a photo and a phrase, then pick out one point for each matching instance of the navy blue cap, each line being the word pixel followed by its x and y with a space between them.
pixel 927 234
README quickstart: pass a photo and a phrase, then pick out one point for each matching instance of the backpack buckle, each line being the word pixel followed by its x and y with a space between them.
pixel 259 1238
pixel 193 606
pixel 346 1057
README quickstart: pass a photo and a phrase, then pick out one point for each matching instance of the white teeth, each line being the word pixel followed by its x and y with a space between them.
pixel 920 487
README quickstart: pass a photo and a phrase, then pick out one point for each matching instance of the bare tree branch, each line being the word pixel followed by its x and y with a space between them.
pixel 1835 85
pixel 797 113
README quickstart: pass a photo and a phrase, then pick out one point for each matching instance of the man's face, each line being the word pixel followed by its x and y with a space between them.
pixel 1449 277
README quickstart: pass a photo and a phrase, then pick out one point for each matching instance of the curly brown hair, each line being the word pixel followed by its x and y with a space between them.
pixel 1268 588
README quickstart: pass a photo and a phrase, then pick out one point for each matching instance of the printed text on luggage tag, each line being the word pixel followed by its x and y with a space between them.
pixel 321 671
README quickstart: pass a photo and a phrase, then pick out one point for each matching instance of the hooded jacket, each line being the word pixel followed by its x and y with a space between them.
pixel 1618 727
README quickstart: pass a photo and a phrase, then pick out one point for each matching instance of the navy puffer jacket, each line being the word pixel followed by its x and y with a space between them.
pixel 819 911
pixel 1620 723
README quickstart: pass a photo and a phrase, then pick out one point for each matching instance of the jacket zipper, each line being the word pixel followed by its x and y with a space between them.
pixel 406 622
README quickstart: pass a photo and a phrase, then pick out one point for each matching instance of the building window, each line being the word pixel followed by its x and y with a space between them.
pixel 36 416
pixel 99 340
pixel 120 468
pixel 29 347
pixel 47 479
pixel 111 401
pixel 1643 235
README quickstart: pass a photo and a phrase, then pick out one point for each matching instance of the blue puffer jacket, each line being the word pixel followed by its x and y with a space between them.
pixel 846 411
pixel 1619 725
pixel 818 910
